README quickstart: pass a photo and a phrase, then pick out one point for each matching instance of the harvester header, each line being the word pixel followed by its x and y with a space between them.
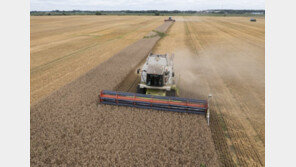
pixel 164 103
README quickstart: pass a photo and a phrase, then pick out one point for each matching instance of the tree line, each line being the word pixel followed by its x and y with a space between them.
pixel 144 12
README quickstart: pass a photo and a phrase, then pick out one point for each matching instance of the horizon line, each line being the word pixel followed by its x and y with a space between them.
pixel 138 10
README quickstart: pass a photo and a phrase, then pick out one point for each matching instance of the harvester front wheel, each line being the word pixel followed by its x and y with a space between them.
pixel 141 90
pixel 171 93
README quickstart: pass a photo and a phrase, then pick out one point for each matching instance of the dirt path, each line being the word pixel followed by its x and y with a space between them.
pixel 224 56
pixel 69 128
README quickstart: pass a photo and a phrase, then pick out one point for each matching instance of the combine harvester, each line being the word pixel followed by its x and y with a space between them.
pixel 170 19
pixel 157 90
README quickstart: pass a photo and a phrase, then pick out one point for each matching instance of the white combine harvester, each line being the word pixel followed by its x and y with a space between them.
pixel 157 76
pixel 157 90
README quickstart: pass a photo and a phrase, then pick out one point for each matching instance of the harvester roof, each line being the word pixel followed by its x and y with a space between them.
pixel 156 64
pixel 155 69
pixel 157 59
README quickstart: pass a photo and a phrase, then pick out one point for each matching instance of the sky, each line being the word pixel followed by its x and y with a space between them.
pixel 46 5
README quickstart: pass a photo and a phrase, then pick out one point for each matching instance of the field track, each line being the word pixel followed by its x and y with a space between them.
pixel 68 127
pixel 224 56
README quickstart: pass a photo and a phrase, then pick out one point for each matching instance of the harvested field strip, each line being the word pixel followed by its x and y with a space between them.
pixel 219 131
pixel 238 137
pixel 254 30
pixel 71 26
pixel 86 48
pixel 61 65
pixel 240 33
pixel 224 56
pixel 252 115
pixel 233 134
pixel 236 73
pixel 111 35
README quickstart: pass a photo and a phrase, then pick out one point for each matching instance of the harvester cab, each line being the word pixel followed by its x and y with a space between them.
pixel 157 76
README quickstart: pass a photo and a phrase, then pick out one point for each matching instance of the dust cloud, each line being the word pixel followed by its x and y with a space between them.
pixel 189 75
pixel 194 70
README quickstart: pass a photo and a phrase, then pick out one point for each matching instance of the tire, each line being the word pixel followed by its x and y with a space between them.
pixel 171 93
pixel 141 90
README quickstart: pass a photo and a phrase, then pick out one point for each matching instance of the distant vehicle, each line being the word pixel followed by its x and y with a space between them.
pixel 170 19
pixel 253 20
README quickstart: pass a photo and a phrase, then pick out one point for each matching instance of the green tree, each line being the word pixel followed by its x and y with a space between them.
pixel 98 13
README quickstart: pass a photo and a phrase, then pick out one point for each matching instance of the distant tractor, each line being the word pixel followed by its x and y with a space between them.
pixel 170 19
pixel 253 20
